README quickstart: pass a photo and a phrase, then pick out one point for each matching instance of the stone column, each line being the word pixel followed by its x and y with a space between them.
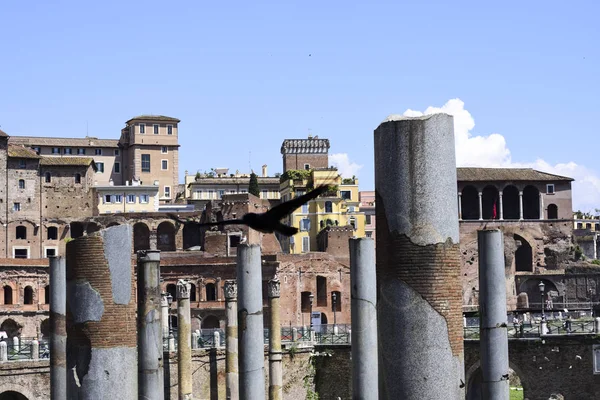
pixel 184 337
pixel 250 322
pixel 164 314
pixel 58 329
pixel 520 204
pixel 150 339
pixel 4 352
pixel 35 349
pixel 364 319
pixel 275 365
pixel 231 341
pixel 460 206
pixel 492 311
pixel 101 327
pixel 480 206
pixel 541 206
pixel 418 260
pixel 501 206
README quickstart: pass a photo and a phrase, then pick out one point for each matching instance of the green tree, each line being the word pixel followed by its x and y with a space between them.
pixel 253 186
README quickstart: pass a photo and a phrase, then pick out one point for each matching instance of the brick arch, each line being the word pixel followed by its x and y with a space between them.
pixel 165 232
pixel 34 294
pixel 472 373
pixel 29 225
pixel 15 292
pixel 11 327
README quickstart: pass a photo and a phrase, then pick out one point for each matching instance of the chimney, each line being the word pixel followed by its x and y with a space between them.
pixel 264 171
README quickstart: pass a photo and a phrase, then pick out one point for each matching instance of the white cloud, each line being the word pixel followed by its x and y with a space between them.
pixel 492 151
pixel 345 167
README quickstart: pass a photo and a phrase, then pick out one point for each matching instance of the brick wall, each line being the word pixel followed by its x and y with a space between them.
pixel 297 161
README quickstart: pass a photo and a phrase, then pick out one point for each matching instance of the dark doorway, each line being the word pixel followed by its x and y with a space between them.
pixel 141 237
pixel 76 230
pixel 191 236
pixel 192 292
pixel 211 292
pixel 8 295
pixel 166 236
pixel 531 203
pixel 469 202
pixel 490 203
pixel 523 255
pixel 510 202
pixel 321 291
pixel 210 322
pixel 552 211
pixel 28 295
pixel 47 294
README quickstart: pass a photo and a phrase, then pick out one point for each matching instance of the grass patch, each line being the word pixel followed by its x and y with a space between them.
pixel 516 394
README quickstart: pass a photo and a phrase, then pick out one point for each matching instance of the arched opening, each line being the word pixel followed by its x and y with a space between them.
pixel 321 291
pixel 21 232
pixel 141 237
pixel 8 295
pixel 211 292
pixel 166 236
pixel 47 294
pixel 52 233
pixel 172 290
pixel 523 255
pixel 328 206
pixel 510 202
pixel 192 292
pixel 337 305
pixel 12 395
pixel 21 183
pixel 28 295
pixel 552 211
pixel 469 203
pixel 531 203
pixel 92 227
pixel 191 236
pixel 47 177
pixel 532 290
pixel 323 318
pixel 11 327
pixel 45 328
pixel 490 202
pixel 76 229
pixel 474 386
pixel 210 322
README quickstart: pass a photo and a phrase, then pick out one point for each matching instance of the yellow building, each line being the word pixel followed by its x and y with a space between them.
pixel 338 207
pixel 127 199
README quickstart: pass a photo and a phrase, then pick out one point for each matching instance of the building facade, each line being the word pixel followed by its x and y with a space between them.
pixel 367 206
pixel 135 198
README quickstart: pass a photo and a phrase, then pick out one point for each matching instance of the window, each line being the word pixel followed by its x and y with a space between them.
pixel 168 192
pixel 321 291
pixel 597 227
pixel 579 225
pixel 16 206
pixel 117 152
pixel 164 165
pixel 368 219
pixel 169 129
pixel 300 193
pixel 68 150
pixel 50 252
pixel 21 233
pixel 234 240
pixel 100 166
pixel 144 198
pixel 117 168
pixel 350 209
pixel 305 224
pixel 142 128
pixel 36 149
pixel 211 292
pixel 155 129
pixel 265 194
pixel 197 194
pixel 52 233
pixel 20 253
pixel 56 150
pixel 305 244
pixel 588 226
pixel 243 191
pixel 304 208
pixel 22 163
pixel 328 207
pixel 353 223
pixel 81 151
pixel 28 295
pixel 307 166
pixel 164 149
pixel 98 152
pixel 107 199
pixel 131 198
pixel 117 198
pixel 47 177
pixel 550 188
pixel 346 194
pixel 369 234
pixel 21 183
pixel 211 194
pixel 221 194
pixel 145 162
pixel 305 302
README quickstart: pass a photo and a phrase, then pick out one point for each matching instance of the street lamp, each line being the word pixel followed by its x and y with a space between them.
pixel 169 302
pixel 542 287
pixel 334 298
pixel 310 299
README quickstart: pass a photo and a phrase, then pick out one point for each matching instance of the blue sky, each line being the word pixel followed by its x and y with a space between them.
pixel 244 76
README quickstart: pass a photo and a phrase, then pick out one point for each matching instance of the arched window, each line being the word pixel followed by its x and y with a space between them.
pixel 77 178
pixel 211 292
pixel 141 237
pixel 47 177
pixel 192 292
pixel 52 233
pixel 28 295
pixel 21 183
pixel 166 236
pixel 510 202
pixel 523 255
pixel 8 295
pixel 490 203
pixel 21 232
pixel 552 211
pixel 328 207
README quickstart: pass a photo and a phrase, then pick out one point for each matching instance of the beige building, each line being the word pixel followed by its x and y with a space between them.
pixel 151 153
pixel 127 198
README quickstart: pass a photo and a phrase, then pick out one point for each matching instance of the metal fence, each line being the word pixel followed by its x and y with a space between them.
pixel 534 329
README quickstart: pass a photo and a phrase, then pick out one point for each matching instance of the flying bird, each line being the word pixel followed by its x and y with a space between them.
pixel 268 222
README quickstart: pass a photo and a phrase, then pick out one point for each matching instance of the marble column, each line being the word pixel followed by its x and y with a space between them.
pixel 460 206
pixel 480 206
pixel 501 206
pixel 541 206
pixel 520 205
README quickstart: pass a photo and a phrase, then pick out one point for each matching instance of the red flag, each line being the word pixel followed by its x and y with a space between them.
pixel 494 211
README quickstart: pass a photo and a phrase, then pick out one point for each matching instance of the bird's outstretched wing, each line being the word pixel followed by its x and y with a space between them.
pixel 288 207
pixel 225 222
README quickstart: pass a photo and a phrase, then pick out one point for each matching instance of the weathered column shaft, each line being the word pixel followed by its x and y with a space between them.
pixel 164 315
pixel 101 327
pixel 520 205
pixel 231 342
pixel 275 366
pixel 501 206
pixel 58 329
pixel 184 338
pixel 480 206
pixel 492 315
pixel 419 303
pixel 250 323
pixel 150 340
pixel 363 283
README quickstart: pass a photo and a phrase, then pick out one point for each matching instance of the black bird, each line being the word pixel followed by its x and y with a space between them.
pixel 268 222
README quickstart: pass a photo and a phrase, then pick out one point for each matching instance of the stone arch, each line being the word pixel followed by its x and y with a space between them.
pixel 28 295
pixel 211 322
pixel 490 202
pixel 510 202
pixel 11 327
pixel 77 229
pixel 523 254
pixel 8 297
pixel 552 211
pixel 531 202
pixel 165 233
pixel 191 236
pixel 45 328
pixel 92 227
pixel 24 392
pixel 530 286
pixel 12 395
pixel 469 202
pixel 141 237
pixel 474 377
